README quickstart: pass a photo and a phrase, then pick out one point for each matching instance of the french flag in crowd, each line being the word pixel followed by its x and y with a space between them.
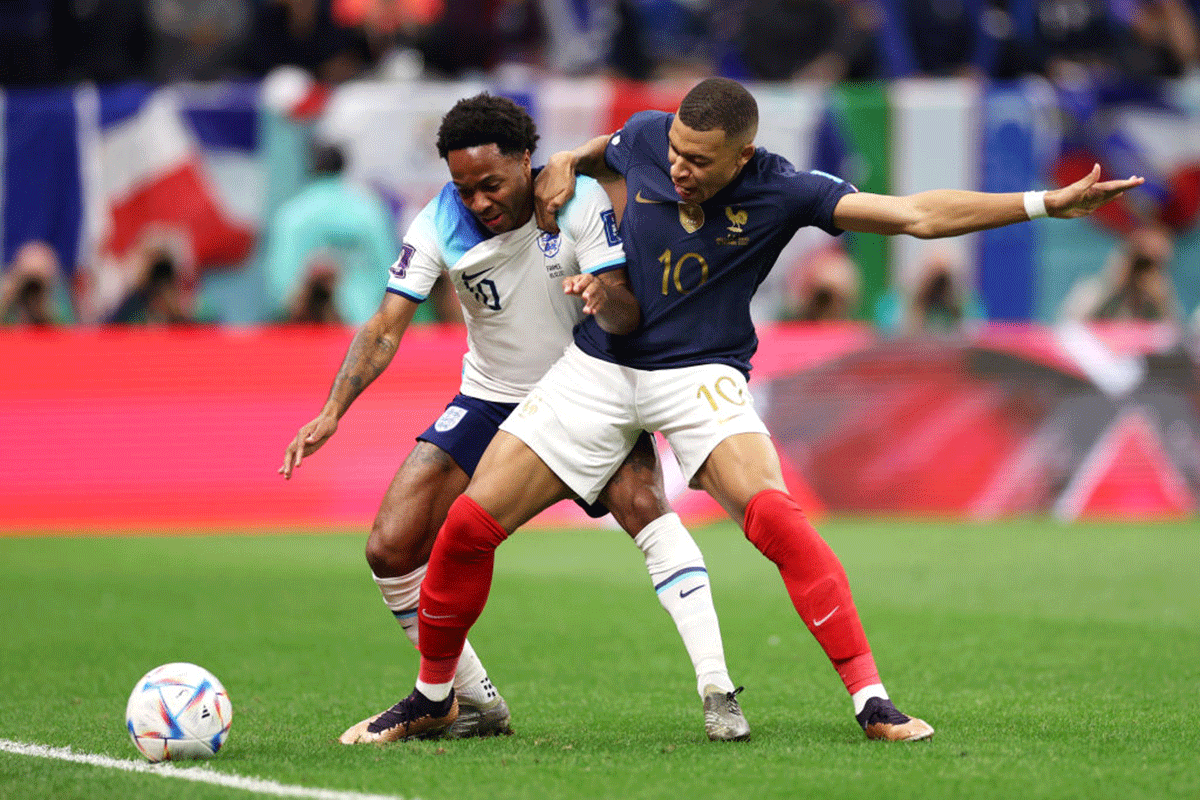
pixel 89 170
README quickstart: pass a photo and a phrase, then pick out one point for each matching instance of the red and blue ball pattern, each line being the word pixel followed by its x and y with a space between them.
pixel 178 711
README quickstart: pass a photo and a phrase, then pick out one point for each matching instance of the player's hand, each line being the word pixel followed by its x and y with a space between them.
pixel 555 185
pixel 590 288
pixel 1087 194
pixel 308 441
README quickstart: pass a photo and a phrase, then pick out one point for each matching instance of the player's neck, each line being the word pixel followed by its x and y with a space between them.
pixel 524 213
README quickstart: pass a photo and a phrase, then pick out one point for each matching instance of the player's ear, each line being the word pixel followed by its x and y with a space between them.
pixel 745 154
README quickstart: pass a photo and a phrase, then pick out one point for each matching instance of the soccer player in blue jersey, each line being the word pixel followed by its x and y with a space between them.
pixel 522 291
pixel 706 214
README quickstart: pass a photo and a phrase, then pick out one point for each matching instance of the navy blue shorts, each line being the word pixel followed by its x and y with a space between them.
pixel 467 427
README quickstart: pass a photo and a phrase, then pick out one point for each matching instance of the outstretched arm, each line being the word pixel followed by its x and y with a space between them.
pixel 951 212
pixel 555 184
pixel 368 356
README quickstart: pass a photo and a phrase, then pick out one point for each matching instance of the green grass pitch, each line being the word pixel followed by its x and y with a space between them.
pixel 1055 662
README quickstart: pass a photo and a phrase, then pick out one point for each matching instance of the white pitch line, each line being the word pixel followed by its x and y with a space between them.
pixel 195 774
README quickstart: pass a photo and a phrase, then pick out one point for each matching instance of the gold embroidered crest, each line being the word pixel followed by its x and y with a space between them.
pixel 691 217
pixel 736 219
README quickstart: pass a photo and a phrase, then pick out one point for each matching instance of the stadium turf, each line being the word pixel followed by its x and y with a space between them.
pixel 1055 662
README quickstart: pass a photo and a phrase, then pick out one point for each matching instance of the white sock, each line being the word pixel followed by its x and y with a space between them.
pixel 864 694
pixel 436 692
pixel 402 595
pixel 680 579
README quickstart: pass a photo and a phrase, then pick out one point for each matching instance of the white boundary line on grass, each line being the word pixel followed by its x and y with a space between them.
pixel 195 774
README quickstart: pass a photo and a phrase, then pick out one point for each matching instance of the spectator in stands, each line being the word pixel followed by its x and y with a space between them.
pixel 163 291
pixel 313 301
pixel 1168 35
pixel 196 39
pixel 393 31
pixel 302 33
pixel 676 36
pixel 824 286
pixel 1134 285
pixel 938 298
pixel 327 249
pixel 579 36
pixel 1105 39
pixel 819 39
pixel 31 289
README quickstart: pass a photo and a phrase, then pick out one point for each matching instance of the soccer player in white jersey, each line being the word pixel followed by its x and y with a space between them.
pixel 522 292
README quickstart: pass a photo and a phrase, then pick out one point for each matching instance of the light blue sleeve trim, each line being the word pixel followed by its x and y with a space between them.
pixel 607 266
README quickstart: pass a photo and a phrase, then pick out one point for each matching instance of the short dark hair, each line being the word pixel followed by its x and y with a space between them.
pixel 719 103
pixel 328 159
pixel 487 119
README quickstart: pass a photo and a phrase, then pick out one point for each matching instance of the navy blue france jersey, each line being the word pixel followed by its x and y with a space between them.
pixel 694 274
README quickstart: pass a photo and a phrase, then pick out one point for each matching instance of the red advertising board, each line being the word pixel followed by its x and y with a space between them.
pixel 127 430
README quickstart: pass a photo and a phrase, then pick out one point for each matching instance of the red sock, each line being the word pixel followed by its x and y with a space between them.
pixel 456 586
pixel 815 581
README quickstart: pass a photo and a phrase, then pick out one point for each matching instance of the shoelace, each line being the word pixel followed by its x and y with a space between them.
pixel 401 713
pixel 731 699
pixel 886 712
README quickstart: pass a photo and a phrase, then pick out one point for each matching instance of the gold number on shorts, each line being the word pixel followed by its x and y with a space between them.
pixel 673 271
pixel 726 389
pixel 528 407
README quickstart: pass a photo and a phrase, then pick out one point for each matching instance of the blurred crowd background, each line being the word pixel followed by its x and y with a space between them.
pixel 255 161
pixel 107 41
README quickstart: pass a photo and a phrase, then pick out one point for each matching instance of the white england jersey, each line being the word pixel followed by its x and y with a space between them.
pixel 519 321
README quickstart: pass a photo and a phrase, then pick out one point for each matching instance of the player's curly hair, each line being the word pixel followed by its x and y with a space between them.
pixel 486 119
pixel 719 103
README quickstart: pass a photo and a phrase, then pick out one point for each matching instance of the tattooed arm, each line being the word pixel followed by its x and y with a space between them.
pixel 366 359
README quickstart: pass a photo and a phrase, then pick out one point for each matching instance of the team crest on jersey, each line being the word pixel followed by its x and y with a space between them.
pixel 449 418
pixel 691 217
pixel 737 224
pixel 550 243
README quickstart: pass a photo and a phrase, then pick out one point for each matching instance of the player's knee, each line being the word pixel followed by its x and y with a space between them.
pixel 396 547
pixel 636 509
pixel 761 515
pixel 469 532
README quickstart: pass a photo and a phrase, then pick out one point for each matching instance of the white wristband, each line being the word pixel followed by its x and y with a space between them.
pixel 1035 205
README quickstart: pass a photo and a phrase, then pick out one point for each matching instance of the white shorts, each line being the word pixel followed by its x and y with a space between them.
pixel 583 417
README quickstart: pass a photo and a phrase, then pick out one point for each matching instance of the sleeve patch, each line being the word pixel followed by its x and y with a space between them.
pixel 610 227
pixel 400 268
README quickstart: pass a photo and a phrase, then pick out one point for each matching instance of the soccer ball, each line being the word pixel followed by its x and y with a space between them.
pixel 178 711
